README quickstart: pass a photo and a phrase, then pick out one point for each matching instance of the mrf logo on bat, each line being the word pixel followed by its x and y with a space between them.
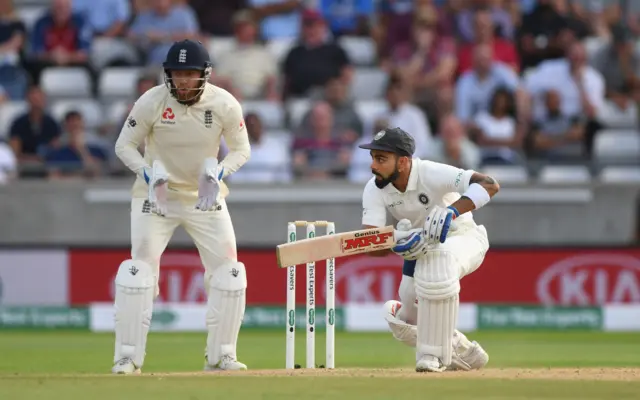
pixel 366 239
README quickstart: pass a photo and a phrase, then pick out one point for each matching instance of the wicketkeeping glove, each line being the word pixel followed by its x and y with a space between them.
pixel 410 243
pixel 157 178
pixel 209 184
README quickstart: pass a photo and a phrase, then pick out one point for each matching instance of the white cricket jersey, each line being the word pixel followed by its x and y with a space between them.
pixel 430 183
pixel 182 137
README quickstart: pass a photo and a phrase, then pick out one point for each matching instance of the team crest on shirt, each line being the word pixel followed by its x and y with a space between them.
pixel 423 199
pixel 208 118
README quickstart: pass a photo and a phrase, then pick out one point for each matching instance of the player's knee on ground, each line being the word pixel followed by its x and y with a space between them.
pixel 407 292
pixel 135 283
pixel 402 331
pixel 225 309
pixel 437 287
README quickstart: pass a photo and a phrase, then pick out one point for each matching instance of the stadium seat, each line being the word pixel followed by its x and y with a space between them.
pixel 555 174
pixel 271 113
pixel 218 46
pixel 611 117
pixel 616 146
pixel 361 50
pixel 91 111
pixel 118 82
pixel 368 83
pixel 66 82
pixel 369 110
pixel 107 51
pixel 297 109
pixel 30 14
pixel 507 173
pixel 619 174
pixel 117 112
pixel 9 111
pixel 280 48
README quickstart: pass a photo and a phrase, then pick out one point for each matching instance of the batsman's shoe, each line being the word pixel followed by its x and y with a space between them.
pixel 428 363
pixel 467 355
pixel 226 363
pixel 125 366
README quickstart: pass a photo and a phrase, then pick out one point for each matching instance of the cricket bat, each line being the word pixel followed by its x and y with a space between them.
pixel 333 246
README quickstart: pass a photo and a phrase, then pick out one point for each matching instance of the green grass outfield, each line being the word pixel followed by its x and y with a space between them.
pixel 523 365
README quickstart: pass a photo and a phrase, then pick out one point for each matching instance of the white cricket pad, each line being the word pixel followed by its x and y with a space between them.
pixel 225 310
pixel 437 286
pixel 135 286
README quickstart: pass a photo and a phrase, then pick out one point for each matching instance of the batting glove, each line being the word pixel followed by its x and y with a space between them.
pixel 157 178
pixel 209 185
pixel 410 243
pixel 438 224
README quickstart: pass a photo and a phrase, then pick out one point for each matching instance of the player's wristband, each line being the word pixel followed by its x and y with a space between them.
pixel 455 211
pixel 477 194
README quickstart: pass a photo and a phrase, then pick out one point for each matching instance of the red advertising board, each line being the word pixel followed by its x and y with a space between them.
pixel 569 277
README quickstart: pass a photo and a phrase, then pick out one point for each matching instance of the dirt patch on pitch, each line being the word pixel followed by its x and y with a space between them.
pixel 603 374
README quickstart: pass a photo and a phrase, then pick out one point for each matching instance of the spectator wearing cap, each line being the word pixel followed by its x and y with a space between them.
pixel 248 69
pixel 279 19
pixel 315 60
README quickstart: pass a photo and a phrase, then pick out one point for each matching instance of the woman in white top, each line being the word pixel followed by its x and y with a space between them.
pixel 497 132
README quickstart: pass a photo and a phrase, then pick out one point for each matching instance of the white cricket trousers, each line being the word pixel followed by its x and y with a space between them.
pixel 211 231
pixel 469 247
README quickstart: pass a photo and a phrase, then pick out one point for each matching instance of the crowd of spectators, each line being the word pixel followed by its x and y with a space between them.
pixel 476 82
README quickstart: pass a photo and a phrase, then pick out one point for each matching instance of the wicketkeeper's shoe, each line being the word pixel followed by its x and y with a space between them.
pixel 226 363
pixel 428 363
pixel 125 366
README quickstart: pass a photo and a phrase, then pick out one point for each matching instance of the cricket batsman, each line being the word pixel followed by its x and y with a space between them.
pixel 433 204
pixel 180 183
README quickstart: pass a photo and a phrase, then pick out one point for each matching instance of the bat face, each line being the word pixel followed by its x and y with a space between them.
pixel 367 240
pixel 336 245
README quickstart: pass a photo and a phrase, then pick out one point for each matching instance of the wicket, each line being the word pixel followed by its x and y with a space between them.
pixel 330 316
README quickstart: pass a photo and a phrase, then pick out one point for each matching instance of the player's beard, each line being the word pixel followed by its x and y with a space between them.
pixel 383 182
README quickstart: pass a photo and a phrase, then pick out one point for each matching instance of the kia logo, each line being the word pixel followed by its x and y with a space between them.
pixel 591 279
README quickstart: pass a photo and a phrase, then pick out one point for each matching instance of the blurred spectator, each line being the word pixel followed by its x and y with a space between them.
pixel 60 38
pixel 484 33
pixel 475 87
pixel 557 135
pixel 76 157
pixel 321 156
pixel 8 164
pixel 106 18
pixel 315 60
pixel 580 86
pixel 620 109
pixel 13 79
pixel 347 124
pixel 452 145
pixel 430 66
pixel 155 30
pixel 33 130
pixel 360 162
pixel 500 17
pixel 617 61
pixel 546 32
pixel 347 17
pixel 401 113
pixel 248 70
pixel 496 130
pixel 270 160
pixel 280 19
pixel 215 17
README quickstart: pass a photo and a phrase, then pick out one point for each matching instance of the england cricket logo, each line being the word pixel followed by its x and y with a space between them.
pixel 182 57
pixel 208 118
